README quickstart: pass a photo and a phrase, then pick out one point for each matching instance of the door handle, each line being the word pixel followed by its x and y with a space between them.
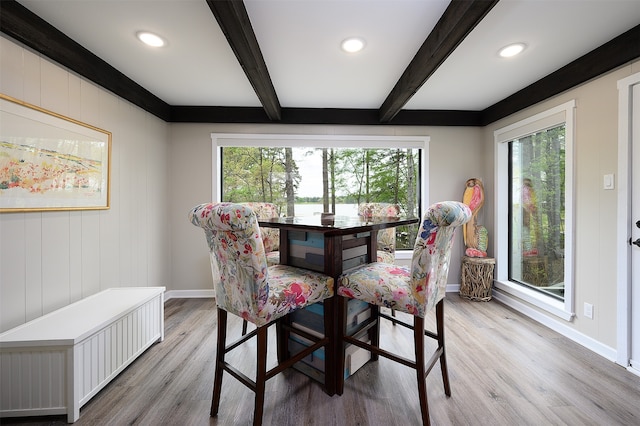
pixel 636 242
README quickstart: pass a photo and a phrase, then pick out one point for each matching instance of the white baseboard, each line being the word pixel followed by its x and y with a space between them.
pixel 557 326
pixel 189 294
pixel 598 347
pixel 582 339
pixel 453 288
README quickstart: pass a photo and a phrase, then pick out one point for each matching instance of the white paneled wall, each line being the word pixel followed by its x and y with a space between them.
pixel 50 259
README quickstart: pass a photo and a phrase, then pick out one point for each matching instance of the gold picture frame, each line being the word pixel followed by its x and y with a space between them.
pixel 51 162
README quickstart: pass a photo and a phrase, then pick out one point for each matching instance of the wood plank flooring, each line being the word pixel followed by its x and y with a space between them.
pixel 504 368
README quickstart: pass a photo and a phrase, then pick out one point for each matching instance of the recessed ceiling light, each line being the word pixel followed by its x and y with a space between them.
pixel 150 39
pixel 512 50
pixel 352 45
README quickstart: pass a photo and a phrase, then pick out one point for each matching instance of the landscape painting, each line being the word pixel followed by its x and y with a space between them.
pixel 50 162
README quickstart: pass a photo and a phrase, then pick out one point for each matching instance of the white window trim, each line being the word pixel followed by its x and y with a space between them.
pixel 564 113
pixel 220 140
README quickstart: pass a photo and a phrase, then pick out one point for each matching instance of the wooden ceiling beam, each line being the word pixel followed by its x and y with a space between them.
pixel 458 20
pixel 234 21
pixel 27 28
pixel 622 50
pixel 334 116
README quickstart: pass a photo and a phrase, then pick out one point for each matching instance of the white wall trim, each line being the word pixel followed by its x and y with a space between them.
pixel 557 326
pixel 560 327
pixel 320 141
pixel 189 294
pixel 558 114
pixel 453 288
pixel 549 322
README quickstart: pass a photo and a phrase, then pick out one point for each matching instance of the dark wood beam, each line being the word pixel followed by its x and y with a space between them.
pixel 218 114
pixel 611 55
pixel 339 116
pixel 235 24
pixel 456 23
pixel 29 29
pixel 22 25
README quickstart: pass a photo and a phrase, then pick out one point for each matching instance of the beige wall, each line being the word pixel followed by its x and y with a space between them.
pixel 596 143
pixel 160 171
pixel 50 259
pixel 454 157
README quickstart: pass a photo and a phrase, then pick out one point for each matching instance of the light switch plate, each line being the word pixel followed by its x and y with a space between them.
pixel 588 310
pixel 608 182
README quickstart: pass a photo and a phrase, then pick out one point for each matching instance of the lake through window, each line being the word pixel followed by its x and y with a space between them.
pixel 309 180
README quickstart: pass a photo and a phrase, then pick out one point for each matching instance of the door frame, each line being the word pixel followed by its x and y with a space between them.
pixel 623 335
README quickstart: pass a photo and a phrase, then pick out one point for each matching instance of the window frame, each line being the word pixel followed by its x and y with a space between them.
pixel 220 140
pixel 561 114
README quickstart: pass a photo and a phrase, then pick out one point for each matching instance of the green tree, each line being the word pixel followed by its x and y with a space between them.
pixel 349 175
pixel 290 181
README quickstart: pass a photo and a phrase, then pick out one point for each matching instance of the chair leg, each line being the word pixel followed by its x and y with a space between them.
pixel 220 352
pixel 443 357
pixel 418 336
pixel 261 374
pixel 244 327
pixel 374 333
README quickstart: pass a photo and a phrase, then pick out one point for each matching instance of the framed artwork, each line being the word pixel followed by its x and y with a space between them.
pixel 49 161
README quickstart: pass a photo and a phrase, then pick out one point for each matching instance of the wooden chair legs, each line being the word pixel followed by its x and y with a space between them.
pixel 421 373
pixel 219 366
pixel 262 374
pixel 421 364
pixel 423 367
pixel 261 370
pixel 440 338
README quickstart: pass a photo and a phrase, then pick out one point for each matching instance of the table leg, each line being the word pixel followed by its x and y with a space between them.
pixel 331 353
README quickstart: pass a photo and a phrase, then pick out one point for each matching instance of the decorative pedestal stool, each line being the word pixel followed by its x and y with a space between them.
pixel 477 278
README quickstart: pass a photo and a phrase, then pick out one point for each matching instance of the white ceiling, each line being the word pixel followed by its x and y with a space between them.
pixel 300 41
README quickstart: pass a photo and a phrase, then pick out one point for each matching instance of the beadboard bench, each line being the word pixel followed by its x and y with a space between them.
pixel 56 363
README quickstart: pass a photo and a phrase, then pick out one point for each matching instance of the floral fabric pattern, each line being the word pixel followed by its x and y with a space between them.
pixel 415 290
pixel 270 236
pixel 386 237
pixel 247 286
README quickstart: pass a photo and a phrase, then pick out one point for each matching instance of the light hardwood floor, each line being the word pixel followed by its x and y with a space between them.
pixel 504 368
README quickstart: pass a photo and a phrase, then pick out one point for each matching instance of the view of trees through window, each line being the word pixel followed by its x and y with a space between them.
pixel 537 211
pixel 308 181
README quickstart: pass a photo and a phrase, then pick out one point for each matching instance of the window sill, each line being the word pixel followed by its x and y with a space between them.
pixel 545 303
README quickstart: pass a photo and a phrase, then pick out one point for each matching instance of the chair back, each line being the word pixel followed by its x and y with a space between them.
pixel 235 244
pixel 386 241
pixel 270 236
pixel 432 252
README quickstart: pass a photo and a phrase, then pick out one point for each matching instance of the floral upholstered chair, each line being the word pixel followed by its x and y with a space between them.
pixel 270 236
pixel 386 237
pixel 415 290
pixel 254 291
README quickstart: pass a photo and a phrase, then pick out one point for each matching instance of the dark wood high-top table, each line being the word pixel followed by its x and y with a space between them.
pixel 329 245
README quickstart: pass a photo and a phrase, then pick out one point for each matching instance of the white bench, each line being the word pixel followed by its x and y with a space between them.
pixel 56 363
